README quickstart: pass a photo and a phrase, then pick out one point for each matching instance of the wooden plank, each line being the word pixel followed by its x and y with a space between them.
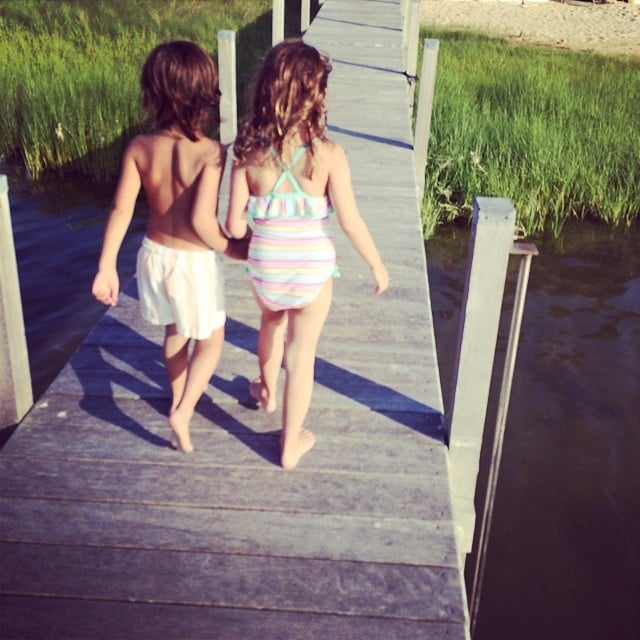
pixel 251 582
pixel 230 531
pixel 135 380
pixel 79 619
pixel 112 415
pixel 216 446
pixel 218 486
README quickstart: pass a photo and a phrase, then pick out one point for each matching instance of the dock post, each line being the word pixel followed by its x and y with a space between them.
pixel 305 15
pixel 405 15
pixel 277 22
pixel 227 73
pixel 16 396
pixel 425 107
pixel 525 251
pixel 492 233
pixel 411 59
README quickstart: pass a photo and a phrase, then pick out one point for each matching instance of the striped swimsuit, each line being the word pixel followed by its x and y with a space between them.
pixel 291 254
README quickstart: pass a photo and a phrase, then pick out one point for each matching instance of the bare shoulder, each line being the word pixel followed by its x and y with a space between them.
pixel 331 154
pixel 214 153
pixel 137 144
pixel 329 150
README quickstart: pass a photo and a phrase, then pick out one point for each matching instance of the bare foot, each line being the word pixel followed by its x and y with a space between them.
pixel 295 447
pixel 180 432
pixel 259 394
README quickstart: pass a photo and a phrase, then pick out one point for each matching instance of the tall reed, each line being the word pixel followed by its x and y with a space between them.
pixel 69 71
pixel 551 130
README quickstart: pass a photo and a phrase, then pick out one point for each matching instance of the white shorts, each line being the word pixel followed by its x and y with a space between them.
pixel 181 287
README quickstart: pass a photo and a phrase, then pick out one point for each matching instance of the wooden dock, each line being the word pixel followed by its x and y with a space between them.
pixel 106 532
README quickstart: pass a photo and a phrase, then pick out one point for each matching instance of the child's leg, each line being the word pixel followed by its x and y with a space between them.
pixel 305 327
pixel 203 362
pixel 273 325
pixel 176 362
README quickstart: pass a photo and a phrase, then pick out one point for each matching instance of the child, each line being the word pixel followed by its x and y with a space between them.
pixel 288 177
pixel 180 278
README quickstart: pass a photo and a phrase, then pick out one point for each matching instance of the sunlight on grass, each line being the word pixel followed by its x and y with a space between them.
pixel 70 71
pixel 554 131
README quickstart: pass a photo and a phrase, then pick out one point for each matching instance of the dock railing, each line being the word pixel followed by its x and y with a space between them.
pixel 16 396
pixel 492 232
pixel 491 244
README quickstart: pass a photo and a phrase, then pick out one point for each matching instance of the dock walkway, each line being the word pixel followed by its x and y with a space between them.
pixel 106 532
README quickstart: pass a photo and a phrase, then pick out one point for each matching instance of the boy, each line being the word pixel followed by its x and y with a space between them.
pixel 180 278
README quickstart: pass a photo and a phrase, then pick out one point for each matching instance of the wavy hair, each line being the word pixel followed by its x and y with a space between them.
pixel 289 94
pixel 179 82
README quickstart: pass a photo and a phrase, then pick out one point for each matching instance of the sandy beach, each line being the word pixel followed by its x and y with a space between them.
pixel 611 28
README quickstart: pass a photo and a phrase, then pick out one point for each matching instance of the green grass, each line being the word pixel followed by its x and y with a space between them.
pixel 69 71
pixel 554 131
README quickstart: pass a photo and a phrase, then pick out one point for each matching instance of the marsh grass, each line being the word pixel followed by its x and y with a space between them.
pixel 554 131
pixel 69 71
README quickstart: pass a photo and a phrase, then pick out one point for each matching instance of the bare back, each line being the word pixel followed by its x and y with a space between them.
pixel 169 165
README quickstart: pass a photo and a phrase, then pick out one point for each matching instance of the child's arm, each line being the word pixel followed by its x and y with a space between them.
pixel 205 219
pixel 236 221
pixel 204 213
pixel 106 284
pixel 354 227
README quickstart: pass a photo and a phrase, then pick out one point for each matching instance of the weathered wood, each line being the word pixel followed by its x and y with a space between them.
pixel 492 230
pixel 233 531
pixel 110 414
pixel 248 487
pixel 277 22
pixel 219 580
pixel 425 107
pixel 411 62
pixel 81 619
pixel 227 74
pixel 15 379
pixel 241 447
pixel 305 15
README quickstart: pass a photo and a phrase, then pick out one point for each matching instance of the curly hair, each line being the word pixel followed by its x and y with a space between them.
pixel 289 94
pixel 179 82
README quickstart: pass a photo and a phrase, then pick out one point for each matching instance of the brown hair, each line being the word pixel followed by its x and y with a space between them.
pixel 179 84
pixel 289 93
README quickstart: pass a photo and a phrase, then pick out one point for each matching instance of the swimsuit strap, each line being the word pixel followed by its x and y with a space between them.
pixel 286 170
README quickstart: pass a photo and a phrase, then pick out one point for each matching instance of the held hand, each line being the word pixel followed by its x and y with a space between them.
pixel 239 248
pixel 106 287
pixel 381 276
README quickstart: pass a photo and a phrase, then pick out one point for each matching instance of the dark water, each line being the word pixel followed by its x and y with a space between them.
pixel 563 559
pixel 58 235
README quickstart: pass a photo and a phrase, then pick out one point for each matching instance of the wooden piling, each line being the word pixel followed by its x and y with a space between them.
pixel 16 396
pixel 305 15
pixel 491 240
pixel 425 107
pixel 227 75
pixel 277 22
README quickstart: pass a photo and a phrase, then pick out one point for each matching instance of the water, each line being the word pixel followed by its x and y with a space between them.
pixel 57 235
pixel 563 558
pixel 564 549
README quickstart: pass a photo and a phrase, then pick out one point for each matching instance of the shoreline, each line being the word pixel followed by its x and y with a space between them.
pixel 612 28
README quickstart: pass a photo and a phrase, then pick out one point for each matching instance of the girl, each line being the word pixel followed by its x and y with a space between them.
pixel 180 279
pixel 287 178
